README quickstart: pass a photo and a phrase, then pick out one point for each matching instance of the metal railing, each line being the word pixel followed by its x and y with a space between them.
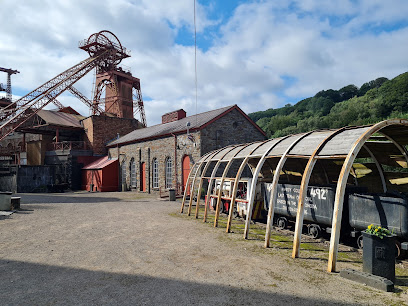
pixel 11 150
pixel 68 145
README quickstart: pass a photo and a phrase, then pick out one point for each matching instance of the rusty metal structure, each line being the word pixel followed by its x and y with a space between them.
pixel 105 53
pixel 317 157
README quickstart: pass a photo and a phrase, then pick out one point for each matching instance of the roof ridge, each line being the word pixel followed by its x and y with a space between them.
pixel 177 126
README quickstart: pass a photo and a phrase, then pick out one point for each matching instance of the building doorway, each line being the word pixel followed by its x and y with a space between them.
pixel 185 171
pixel 143 177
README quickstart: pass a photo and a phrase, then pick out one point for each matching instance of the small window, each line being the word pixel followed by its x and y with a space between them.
pixel 169 173
pixel 155 173
pixel 235 125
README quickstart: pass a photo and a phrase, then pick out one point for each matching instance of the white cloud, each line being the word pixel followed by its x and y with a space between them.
pixel 318 44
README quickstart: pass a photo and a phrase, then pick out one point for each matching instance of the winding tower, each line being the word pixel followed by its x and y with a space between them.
pixel 122 99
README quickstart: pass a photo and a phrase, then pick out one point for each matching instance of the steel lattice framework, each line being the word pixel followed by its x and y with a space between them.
pixel 8 88
pixel 105 51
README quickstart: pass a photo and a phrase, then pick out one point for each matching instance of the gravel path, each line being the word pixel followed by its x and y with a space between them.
pixel 120 248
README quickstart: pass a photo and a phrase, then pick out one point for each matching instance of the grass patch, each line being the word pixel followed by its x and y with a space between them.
pixel 313 253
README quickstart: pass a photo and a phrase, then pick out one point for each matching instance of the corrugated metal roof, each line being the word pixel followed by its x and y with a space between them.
pixel 196 121
pixel 61 119
pixel 100 163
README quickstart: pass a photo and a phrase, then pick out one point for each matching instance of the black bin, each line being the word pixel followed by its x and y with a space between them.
pixel 379 256
pixel 172 194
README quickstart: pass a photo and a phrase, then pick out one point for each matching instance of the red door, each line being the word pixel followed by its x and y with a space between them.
pixel 143 177
pixel 186 171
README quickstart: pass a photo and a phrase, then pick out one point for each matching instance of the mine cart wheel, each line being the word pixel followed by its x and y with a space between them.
pixel 360 242
pixel 314 231
pixel 282 222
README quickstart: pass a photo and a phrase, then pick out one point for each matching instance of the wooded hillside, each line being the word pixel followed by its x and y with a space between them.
pixel 374 101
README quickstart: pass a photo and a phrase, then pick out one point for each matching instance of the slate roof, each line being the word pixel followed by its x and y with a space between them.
pixel 100 163
pixel 61 119
pixel 196 122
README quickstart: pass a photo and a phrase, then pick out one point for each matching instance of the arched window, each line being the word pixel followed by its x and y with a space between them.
pixel 155 173
pixel 123 173
pixel 132 173
pixel 169 173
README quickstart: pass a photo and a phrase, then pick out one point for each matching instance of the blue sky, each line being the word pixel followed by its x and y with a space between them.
pixel 257 54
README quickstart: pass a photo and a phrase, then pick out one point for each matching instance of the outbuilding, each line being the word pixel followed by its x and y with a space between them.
pixel 101 175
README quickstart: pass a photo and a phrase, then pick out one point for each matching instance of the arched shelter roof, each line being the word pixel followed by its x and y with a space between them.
pixel 338 146
pixel 384 142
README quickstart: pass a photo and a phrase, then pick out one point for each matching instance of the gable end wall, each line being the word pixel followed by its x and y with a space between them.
pixel 233 128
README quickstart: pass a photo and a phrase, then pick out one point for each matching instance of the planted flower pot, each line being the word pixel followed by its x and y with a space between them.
pixel 379 255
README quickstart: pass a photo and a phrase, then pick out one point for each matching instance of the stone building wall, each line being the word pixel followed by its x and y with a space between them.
pixel 101 129
pixel 233 128
pixel 160 149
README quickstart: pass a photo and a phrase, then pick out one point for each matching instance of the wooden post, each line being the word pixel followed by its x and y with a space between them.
pixel 274 190
pixel 57 135
pixel 341 187
pixel 209 190
pixel 255 181
pixel 236 183
pixel 234 192
pixel 217 211
pixel 210 182
pixel 300 209
pixel 185 192
pixel 379 168
pixel 200 185
pixel 206 159
pixel 190 204
pixel 303 192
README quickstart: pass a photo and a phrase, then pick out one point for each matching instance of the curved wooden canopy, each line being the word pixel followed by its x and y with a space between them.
pixel 385 143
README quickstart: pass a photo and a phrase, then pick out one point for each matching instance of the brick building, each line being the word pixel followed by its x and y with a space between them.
pixel 157 158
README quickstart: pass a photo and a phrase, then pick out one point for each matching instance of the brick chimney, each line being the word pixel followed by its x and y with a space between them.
pixel 174 116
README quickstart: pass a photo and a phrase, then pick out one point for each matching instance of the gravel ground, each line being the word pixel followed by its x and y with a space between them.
pixel 121 248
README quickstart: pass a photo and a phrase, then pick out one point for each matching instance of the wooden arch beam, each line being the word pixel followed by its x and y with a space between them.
pixel 274 190
pixel 341 187
pixel 303 191
pixel 236 182
pixel 186 187
pixel 189 177
pixel 200 185
pixel 402 149
pixel 190 203
pixel 253 185
pixel 211 181
pixel 379 168
pixel 224 174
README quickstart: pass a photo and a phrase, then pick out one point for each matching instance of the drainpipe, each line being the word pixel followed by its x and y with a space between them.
pixel 148 170
pixel 175 159
pixel 119 170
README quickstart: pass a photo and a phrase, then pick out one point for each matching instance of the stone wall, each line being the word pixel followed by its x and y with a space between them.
pixel 101 129
pixel 233 128
pixel 160 148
